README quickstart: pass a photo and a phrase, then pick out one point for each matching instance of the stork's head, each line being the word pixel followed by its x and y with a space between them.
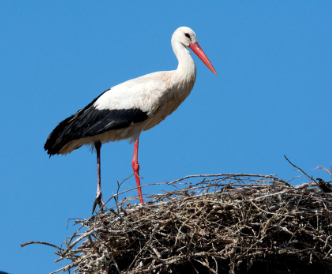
pixel 187 37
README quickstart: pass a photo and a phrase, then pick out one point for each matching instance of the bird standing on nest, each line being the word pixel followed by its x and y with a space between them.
pixel 125 110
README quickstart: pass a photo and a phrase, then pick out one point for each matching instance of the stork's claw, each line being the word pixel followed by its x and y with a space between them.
pixel 100 203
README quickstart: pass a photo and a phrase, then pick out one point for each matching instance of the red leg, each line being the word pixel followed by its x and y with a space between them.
pixel 135 166
pixel 98 199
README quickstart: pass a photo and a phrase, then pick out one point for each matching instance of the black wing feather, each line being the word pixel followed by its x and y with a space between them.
pixel 89 122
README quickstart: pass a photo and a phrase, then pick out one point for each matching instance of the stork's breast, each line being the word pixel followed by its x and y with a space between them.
pixel 166 105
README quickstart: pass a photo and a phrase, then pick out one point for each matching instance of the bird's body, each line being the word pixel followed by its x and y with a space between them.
pixel 127 109
pixel 148 100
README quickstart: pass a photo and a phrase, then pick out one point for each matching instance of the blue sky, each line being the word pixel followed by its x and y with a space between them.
pixel 272 96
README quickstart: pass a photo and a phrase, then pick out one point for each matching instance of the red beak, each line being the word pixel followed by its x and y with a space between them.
pixel 200 53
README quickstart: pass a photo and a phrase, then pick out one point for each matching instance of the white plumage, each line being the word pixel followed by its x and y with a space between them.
pixel 127 109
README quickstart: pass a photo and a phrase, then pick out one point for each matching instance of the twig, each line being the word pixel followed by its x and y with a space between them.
pixel 42 243
pixel 309 177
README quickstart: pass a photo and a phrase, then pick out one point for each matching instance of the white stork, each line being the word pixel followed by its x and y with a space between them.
pixel 125 110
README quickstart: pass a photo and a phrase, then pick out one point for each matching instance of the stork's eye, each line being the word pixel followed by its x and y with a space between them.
pixel 187 35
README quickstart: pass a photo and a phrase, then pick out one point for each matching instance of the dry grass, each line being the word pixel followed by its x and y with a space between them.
pixel 224 223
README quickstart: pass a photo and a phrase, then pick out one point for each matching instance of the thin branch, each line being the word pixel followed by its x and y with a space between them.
pixel 42 243
pixel 309 177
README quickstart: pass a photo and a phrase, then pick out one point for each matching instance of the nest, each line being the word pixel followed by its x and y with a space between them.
pixel 224 223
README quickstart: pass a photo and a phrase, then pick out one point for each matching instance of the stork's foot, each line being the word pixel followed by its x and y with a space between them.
pixel 98 201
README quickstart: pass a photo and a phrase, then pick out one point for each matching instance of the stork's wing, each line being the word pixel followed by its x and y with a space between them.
pixel 89 122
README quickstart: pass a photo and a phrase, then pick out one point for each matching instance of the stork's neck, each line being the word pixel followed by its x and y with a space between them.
pixel 186 70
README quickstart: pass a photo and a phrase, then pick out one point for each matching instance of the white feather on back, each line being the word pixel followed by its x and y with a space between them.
pixel 141 93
